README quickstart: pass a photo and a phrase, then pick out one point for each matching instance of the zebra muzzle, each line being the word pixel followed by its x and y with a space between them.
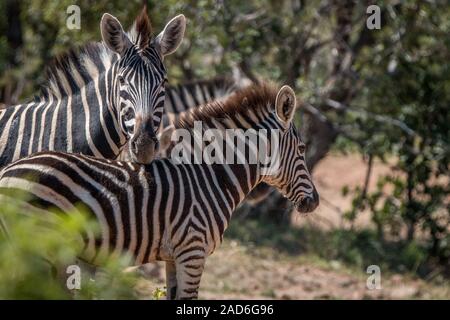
pixel 308 203
pixel 143 149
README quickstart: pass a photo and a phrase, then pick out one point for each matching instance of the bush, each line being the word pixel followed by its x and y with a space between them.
pixel 36 248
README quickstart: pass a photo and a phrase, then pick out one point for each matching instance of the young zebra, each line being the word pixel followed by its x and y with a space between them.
pixel 98 97
pixel 166 210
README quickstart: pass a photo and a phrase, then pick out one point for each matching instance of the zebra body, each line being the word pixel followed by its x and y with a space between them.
pixel 167 210
pixel 98 97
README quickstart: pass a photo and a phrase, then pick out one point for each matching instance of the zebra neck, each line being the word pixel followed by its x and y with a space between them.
pixel 235 178
pixel 95 128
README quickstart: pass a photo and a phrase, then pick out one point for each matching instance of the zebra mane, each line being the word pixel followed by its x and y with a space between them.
pixel 70 71
pixel 141 32
pixel 256 98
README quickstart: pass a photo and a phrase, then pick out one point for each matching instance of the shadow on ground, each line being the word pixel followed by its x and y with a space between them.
pixel 358 248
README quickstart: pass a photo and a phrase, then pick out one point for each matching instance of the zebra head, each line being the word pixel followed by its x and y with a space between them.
pixel 139 78
pixel 292 178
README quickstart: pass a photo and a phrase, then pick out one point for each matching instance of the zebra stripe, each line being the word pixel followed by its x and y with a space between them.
pixel 170 211
pixel 185 96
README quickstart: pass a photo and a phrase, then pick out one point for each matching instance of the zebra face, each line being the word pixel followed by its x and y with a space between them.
pixel 141 92
pixel 293 178
pixel 297 184
pixel 139 79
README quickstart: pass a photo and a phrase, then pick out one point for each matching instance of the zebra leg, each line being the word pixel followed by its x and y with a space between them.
pixel 189 273
pixel 171 280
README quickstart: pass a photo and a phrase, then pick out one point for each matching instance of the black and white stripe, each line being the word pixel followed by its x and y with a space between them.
pixel 168 211
pixel 182 97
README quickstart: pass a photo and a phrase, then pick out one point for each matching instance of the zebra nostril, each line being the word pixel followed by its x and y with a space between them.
pixel 316 197
pixel 309 203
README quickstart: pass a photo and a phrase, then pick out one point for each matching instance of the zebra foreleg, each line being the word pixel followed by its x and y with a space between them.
pixel 171 280
pixel 189 273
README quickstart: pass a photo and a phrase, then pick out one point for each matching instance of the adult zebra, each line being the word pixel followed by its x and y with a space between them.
pixel 167 210
pixel 98 97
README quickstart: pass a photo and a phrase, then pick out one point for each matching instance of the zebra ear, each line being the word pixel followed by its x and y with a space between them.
pixel 170 38
pixel 113 35
pixel 285 104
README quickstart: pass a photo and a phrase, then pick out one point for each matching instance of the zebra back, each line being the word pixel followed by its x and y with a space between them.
pixel 188 95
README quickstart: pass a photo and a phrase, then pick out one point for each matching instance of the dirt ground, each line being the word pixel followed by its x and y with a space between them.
pixel 242 271
pixel 237 271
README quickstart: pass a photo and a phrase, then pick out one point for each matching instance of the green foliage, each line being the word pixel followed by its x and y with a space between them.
pixel 111 282
pixel 36 248
pixel 29 251
pixel 159 293
pixel 220 35
pixel 407 78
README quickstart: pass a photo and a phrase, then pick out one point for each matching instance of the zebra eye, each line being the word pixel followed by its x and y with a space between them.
pixel 128 119
pixel 302 148
pixel 128 114
pixel 121 81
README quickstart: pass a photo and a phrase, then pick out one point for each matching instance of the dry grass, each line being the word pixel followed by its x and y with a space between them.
pixel 237 271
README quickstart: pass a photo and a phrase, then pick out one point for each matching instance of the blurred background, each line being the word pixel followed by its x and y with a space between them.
pixel 374 114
